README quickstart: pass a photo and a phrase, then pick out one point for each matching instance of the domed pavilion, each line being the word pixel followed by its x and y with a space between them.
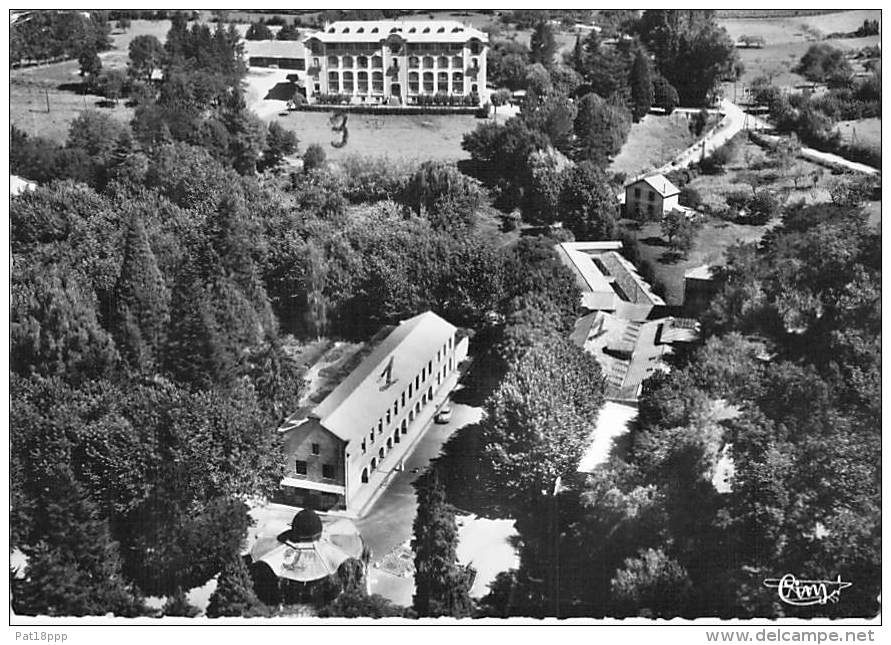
pixel 300 565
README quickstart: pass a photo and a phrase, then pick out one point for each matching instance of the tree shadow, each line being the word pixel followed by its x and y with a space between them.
pixel 464 476
pixel 281 92
pixel 479 170
pixel 621 447
pixel 670 257
pixel 653 240
pixel 78 88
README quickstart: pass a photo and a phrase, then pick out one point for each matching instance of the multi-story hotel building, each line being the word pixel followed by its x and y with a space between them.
pixel 339 454
pixel 395 61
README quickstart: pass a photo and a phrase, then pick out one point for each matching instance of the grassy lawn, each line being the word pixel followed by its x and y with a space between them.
pixel 714 237
pixel 652 142
pixel 417 137
pixel 30 88
pixel 788 38
pixel 863 131
pixel 750 163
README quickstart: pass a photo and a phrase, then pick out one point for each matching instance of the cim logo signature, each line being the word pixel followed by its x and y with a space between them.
pixel 803 593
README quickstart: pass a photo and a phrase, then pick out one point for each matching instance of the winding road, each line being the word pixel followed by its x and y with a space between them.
pixel 735 120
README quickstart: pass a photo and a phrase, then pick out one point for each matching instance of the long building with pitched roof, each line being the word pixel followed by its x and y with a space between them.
pixel 370 420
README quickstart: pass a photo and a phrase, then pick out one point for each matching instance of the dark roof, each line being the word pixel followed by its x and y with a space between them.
pixel 305 527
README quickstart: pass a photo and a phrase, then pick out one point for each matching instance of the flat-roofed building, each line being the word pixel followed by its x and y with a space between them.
pixel 334 457
pixel 630 351
pixel 396 61
pixel 283 54
pixel 607 280
pixel 620 325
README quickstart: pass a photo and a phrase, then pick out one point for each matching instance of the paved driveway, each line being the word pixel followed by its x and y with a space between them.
pixel 389 522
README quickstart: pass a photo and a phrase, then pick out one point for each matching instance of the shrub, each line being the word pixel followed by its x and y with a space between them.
pixel 714 164
pixel 738 200
pixel 853 189
pixel 821 62
pixel 374 179
pixel 762 208
pixel 511 221
pixel 313 158
pixel 690 197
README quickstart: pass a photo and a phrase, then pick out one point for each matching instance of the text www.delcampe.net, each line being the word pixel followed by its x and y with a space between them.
pixel 774 635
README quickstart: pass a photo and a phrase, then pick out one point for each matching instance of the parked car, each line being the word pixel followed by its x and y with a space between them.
pixel 445 414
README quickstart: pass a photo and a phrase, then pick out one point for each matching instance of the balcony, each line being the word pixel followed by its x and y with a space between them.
pixel 393 70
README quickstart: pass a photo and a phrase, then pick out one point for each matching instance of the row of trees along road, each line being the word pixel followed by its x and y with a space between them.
pixel 577 112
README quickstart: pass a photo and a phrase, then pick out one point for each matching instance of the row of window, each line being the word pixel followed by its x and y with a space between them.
pixel 395 30
pixel 442 81
pixel 414 62
pixel 327 469
pixel 413 388
pixel 361 61
pixel 652 195
pixel 418 48
pixel 344 81
pixel 429 62
pixel 334 84
pixel 416 409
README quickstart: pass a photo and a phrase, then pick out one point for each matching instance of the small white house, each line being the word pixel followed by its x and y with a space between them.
pixel 650 197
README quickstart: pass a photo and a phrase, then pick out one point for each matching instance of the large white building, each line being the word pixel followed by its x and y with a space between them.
pixel 339 454
pixel 395 62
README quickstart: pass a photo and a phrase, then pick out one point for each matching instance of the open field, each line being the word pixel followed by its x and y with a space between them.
pixel 652 142
pixel 863 132
pixel 418 137
pixel 750 165
pixel 788 38
pixel 717 234
pixel 714 238
pixel 30 88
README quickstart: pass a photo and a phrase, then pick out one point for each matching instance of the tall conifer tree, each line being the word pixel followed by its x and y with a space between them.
pixel 234 595
pixel 641 84
pixel 442 586
pixel 142 301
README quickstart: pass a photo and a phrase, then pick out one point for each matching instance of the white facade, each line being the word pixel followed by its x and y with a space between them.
pixel 650 197
pixel 395 61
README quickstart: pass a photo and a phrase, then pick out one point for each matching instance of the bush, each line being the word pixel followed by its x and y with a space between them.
pixel 690 197
pixel 112 84
pixel 822 62
pixel 738 200
pixel 854 189
pixel 313 158
pixel 511 221
pixel 374 179
pixel 715 163
pixel 762 208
